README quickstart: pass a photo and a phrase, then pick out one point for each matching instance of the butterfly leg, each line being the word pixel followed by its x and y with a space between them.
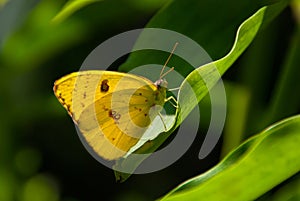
pixel 159 114
pixel 172 98
pixel 174 89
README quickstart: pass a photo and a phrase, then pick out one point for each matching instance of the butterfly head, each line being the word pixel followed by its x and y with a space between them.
pixel 161 83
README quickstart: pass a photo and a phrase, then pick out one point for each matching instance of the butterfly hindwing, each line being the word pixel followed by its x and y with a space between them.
pixel 117 121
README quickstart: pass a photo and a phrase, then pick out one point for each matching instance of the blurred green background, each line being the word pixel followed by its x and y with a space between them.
pixel 41 156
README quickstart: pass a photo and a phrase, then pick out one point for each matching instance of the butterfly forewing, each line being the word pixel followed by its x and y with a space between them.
pixel 78 90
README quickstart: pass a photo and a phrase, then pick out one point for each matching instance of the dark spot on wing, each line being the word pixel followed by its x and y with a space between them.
pixel 68 108
pixel 110 114
pixel 104 86
pixel 115 115
pixel 105 109
pixel 139 109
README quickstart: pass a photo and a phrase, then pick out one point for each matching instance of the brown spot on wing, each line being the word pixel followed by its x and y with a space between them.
pixel 115 115
pixel 104 86
pixel 105 109
pixel 110 113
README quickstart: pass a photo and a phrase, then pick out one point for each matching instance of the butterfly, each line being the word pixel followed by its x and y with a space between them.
pixel 112 109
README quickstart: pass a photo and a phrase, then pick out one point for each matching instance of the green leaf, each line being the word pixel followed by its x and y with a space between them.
pixel 70 8
pixel 256 166
pixel 287 84
pixel 210 72
pixel 22 50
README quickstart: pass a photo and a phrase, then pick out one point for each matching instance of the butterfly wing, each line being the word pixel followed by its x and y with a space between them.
pixel 78 90
pixel 112 125
pixel 112 110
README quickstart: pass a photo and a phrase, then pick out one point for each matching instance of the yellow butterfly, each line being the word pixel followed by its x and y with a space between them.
pixel 111 109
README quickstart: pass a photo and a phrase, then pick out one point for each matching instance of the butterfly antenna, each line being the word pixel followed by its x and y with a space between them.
pixel 162 70
pixel 163 75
